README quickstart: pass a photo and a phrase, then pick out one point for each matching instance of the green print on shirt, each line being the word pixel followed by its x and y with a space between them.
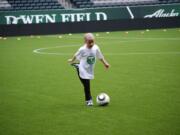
pixel 90 60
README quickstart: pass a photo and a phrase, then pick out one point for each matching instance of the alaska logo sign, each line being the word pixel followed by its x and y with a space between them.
pixel 53 18
pixel 161 13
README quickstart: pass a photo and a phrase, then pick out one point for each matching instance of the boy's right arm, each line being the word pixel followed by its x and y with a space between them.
pixel 76 55
pixel 72 59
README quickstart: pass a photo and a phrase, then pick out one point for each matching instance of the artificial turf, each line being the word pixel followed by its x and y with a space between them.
pixel 40 93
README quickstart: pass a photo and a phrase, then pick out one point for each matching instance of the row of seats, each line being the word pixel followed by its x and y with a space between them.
pixel 115 3
pixel 14 5
pixel 29 5
pixel 123 3
pixel 4 4
pixel 83 3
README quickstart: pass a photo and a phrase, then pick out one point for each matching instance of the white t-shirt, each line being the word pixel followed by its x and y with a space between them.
pixel 87 58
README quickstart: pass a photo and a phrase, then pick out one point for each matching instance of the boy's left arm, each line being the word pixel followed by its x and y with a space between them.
pixel 105 63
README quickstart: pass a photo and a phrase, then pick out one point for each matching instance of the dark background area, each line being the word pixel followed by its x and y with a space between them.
pixel 94 26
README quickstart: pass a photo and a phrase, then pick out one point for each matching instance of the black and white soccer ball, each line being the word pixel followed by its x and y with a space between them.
pixel 103 99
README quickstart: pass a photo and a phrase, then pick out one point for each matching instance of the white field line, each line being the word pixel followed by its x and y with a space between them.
pixel 41 51
pixel 62 46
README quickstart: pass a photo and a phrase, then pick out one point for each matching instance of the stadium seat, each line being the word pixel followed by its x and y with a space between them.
pixel 29 5
pixel 4 5
pixel 114 3
pixel 10 5
pixel 82 3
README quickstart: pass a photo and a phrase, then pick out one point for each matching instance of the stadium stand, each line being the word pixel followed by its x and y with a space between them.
pixel 83 3
pixel 115 3
pixel 107 3
pixel 4 5
pixel 16 5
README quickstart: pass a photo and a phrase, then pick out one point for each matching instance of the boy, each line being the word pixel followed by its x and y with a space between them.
pixel 87 55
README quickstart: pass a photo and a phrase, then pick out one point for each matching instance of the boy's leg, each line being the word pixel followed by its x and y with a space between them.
pixel 86 85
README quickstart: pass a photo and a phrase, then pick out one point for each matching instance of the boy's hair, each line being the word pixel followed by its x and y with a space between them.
pixel 89 36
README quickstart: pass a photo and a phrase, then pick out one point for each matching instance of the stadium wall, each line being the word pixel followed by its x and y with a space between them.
pixel 89 20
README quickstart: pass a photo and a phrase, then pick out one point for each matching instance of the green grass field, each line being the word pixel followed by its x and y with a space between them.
pixel 40 93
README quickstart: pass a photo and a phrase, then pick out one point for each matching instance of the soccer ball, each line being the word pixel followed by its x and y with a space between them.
pixel 102 99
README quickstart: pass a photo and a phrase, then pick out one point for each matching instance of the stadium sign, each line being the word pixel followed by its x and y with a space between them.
pixel 161 13
pixel 62 16
pixel 87 15
pixel 29 19
pixel 53 18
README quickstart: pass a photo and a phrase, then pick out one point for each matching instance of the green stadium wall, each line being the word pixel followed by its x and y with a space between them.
pixel 89 20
